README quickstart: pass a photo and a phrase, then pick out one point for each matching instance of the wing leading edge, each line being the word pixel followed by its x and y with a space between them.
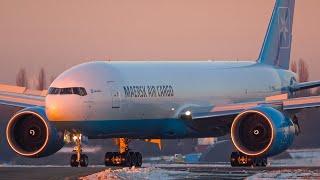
pixel 304 85
pixel 281 102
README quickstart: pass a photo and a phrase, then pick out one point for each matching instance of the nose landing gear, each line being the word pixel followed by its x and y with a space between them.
pixel 124 157
pixel 78 158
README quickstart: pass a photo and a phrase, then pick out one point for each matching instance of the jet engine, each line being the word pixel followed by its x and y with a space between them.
pixel 30 134
pixel 262 131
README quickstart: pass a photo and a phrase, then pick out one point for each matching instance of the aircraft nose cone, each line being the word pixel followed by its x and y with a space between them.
pixel 53 112
pixel 65 108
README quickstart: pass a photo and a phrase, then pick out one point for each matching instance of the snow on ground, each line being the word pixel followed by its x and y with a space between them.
pixel 137 173
pixel 32 166
pixel 304 153
pixel 302 162
pixel 301 158
pixel 44 166
pixel 287 174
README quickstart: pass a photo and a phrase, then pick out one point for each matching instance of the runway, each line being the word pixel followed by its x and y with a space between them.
pixel 154 171
pixel 45 173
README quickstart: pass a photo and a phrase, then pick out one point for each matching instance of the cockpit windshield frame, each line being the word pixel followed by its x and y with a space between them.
pixel 81 91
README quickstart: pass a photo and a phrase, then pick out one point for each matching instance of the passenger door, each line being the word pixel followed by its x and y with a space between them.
pixel 115 94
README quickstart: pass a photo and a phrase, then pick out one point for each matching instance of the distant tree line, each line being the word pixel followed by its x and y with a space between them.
pixel 40 82
pixel 21 78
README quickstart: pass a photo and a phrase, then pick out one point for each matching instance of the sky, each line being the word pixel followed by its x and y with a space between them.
pixel 57 35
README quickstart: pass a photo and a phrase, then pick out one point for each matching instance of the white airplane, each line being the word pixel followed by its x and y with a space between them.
pixel 168 100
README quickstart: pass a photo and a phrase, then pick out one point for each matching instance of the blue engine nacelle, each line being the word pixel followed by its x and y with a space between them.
pixel 262 131
pixel 30 134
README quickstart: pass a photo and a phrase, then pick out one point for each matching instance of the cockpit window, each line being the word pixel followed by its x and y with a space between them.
pixel 76 90
pixel 71 90
pixel 82 91
pixel 79 90
pixel 54 91
pixel 66 91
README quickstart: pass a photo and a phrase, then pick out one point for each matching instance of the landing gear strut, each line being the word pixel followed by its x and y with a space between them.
pixel 124 157
pixel 238 159
pixel 78 158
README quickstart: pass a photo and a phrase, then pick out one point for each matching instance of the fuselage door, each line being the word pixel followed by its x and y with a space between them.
pixel 115 95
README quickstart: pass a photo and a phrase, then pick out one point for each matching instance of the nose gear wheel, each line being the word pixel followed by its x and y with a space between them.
pixel 78 158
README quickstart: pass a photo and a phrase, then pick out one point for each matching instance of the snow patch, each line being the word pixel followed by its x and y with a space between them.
pixel 44 166
pixel 302 162
pixel 136 173
pixel 287 174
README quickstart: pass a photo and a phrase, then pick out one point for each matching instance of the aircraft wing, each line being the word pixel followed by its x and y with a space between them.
pixel 282 102
pixel 305 85
pixel 21 96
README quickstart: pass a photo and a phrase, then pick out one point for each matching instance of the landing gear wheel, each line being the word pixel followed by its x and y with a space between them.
pixel 238 159
pixel 73 161
pixel 265 162
pixel 128 160
pixel 124 157
pixel 108 159
pixel 84 160
pixel 234 159
pixel 78 158
pixel 260 162
pixel 133 158
pixel 139 159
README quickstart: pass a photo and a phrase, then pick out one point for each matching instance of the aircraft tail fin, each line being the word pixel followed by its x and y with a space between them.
pixel 277 43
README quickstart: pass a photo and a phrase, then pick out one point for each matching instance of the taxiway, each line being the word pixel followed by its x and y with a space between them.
pixel 149 171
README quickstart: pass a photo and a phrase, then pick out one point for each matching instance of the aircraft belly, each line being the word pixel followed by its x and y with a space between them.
pixel 139 128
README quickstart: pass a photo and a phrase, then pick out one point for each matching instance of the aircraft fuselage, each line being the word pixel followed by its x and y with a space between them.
pixel 145 99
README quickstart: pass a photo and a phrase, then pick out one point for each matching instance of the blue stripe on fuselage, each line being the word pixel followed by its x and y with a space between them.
pixel 137 129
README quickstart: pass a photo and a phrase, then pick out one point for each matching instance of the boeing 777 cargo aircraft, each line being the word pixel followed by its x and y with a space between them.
pixel 165 100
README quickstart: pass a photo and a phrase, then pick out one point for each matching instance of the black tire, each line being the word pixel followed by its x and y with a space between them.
pixel 107 159
pixel 264 162
pixel 139 159
pixel 73 161
pixel 134 159
pixel 260 162
pixel 256 162
pixel 128 160
pixel 234 159
pixel 84 160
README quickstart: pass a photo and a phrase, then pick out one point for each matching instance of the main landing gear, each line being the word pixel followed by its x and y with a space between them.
pixel 78 158
pixel 238 159
pixel 124 157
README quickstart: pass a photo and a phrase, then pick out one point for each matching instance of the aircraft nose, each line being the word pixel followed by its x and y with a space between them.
pixel 64 108
pixel 54 109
